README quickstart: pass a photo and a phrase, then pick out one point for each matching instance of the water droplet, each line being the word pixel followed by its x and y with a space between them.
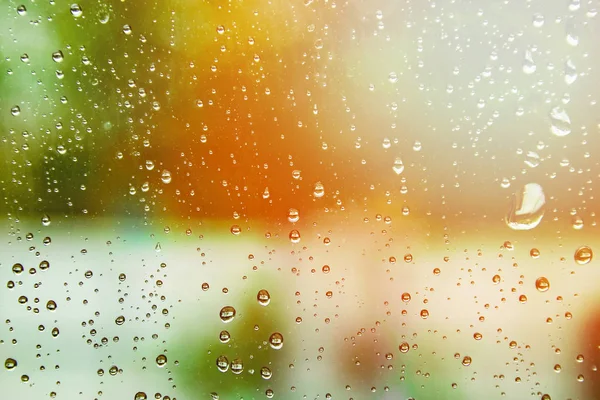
pixel 319 190
pixel 224 336
pixel 276 340
pixel 103 17
pixel 393 77
pixel 293 215
pixel 265 373
pixel 570 72
pixel 398 166
pixel 386 144
pixel 583 255
pixel 21 10
pixel 161 360
pixel 220 29
pixel 263 297
pixel 527 208
pixel 76 10
pixel 51 305
pixel 406 297
pixel 166 176
pixel 466 361
pixel 560 122
pixel 235 229
pixel 577 222
pixel 15 111
pixel 10 363
pixel 534 253
pixel 46 220
pixel 127 29
pixel 424 314
pixel 542 284
pixel 120 320
pixel 222 363
pixel 227 314
pixel 17 268
pixel 140 396
pixel 538 20
pixel 404 347
pixel 294 236
pixel 528 65
pixel 237 366
pixel 417 146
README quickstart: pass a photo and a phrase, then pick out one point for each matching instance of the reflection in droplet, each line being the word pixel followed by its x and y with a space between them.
pixel 583 255
pixel 527 208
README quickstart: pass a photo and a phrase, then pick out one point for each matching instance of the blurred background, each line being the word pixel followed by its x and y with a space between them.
pixel 299 199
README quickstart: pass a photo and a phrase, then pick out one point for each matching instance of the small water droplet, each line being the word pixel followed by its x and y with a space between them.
pixel 538 20
pixel 15 111
pixel 404 347
pixel 21 10
pixel 235 229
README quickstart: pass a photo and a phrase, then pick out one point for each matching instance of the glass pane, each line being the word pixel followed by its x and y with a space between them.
pixel 304 199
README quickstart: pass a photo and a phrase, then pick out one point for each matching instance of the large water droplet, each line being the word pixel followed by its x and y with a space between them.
pixel 227 314
pixel 161 360
pixel 10 363
pixel 528 64
pixel 166 176
pixel 46 220
pixel 295 236
pixel 76 10
pixel 542 284
pixel 222 363
pixel 276 340
pixel 263 297
pixel 398 166
pixel 560 122
pixel 293 215
pixel 319 190
pixel 527 208
pixel 237 366
pixel 583 255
